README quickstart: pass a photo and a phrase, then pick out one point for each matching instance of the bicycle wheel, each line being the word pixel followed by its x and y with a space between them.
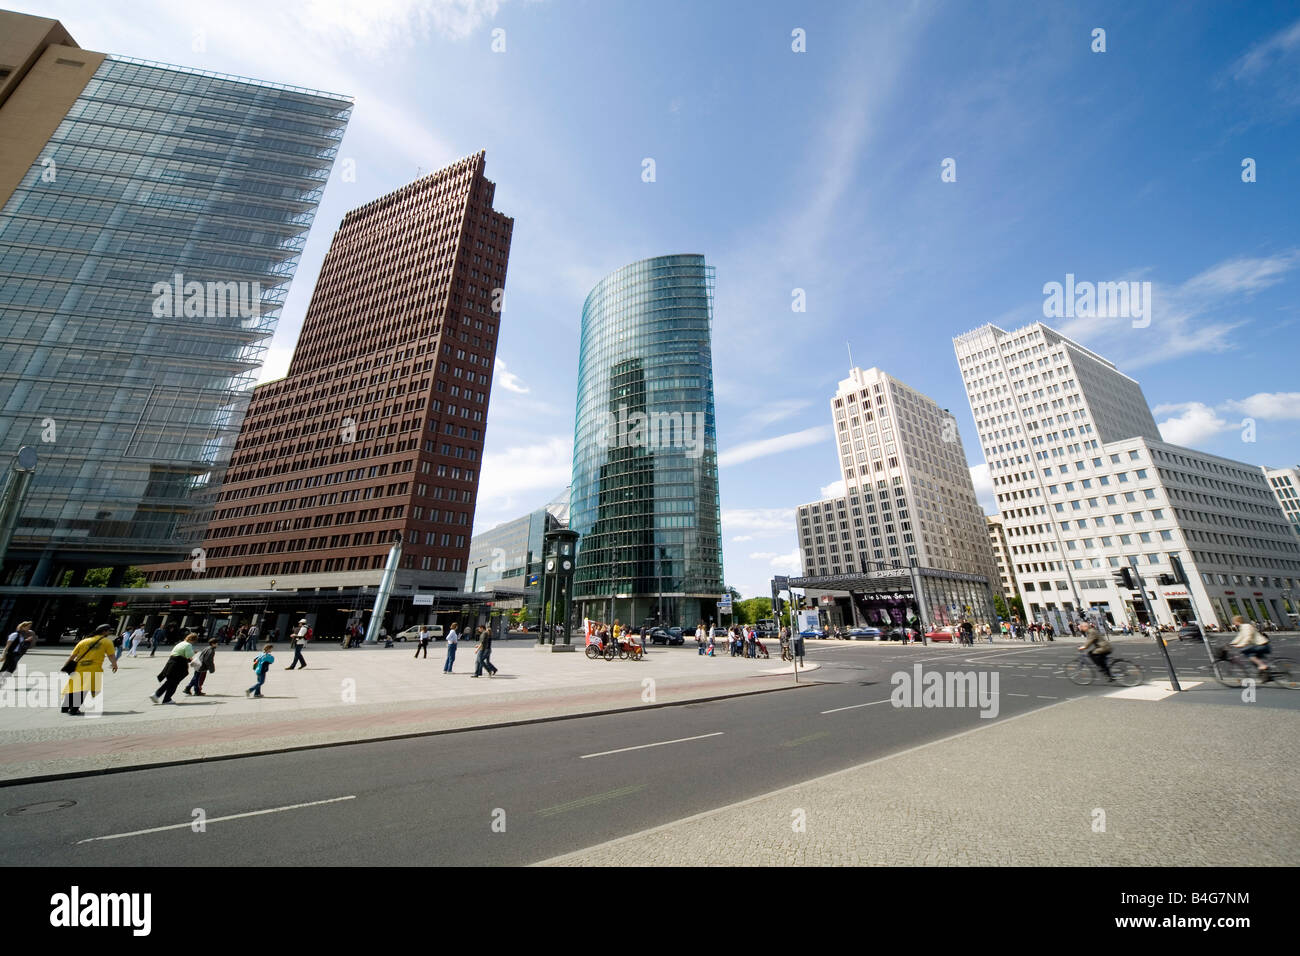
pixel 1229 673
pixel 610 653
pixel 1079 671
pixel 592 652
pixel 1125 672
pixel 1286 673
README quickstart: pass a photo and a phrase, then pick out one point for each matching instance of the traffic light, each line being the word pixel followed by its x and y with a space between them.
pixel 1123 578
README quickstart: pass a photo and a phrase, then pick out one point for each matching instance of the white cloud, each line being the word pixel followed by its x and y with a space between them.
pixel 1194 423
pixel 1259 57
pixel 836 489
pixel 1267 405
pixel 772 412
pixel 275 363
pixel 521 478
pixel 983 482
pixel 1241 275
pixel 779 562
pixel 508 381
pixel 1181 316
pixel 772 446
pixel 759 521
pixel 742 537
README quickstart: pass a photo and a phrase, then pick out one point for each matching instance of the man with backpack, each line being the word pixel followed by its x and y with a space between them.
pixel 300 639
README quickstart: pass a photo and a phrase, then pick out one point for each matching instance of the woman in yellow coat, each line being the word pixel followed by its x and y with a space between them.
pixel 88 678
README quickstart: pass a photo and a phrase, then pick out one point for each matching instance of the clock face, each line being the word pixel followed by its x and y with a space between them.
pixel 550 565
pixel 568 565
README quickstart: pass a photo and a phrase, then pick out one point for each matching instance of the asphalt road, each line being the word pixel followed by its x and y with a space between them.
pixel 516 795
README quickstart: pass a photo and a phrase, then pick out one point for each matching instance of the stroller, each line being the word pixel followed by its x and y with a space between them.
pixel 760 647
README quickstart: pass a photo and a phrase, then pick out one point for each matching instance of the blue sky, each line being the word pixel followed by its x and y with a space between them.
pixel 820 171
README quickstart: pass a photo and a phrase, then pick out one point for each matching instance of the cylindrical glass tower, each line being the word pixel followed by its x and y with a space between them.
pixel 645 457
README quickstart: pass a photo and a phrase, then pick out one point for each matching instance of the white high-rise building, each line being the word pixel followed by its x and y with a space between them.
pixel 908 491
pixel 1084 484
pixel 1001 554
pixel 1285 483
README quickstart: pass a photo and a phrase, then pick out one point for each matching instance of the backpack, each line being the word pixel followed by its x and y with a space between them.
pixel 310 634
pixel 257 663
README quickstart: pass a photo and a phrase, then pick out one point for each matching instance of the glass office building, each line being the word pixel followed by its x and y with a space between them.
pixel 645 470
pixel 145 254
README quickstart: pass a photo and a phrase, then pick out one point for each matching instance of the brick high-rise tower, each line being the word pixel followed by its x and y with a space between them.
pixel 377 429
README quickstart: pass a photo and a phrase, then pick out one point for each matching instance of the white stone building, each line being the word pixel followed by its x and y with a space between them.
pixel 1085 485
pixel 908 491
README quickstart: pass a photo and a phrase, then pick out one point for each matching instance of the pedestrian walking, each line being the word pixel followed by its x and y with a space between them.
pixel 453 638
pixel 261 664
pixel 85 669
pixel 300 639
pixel 483 659
pixel 16 645
pixel 424 642
pixel 159 634
pixel 177 666
pixel 204 664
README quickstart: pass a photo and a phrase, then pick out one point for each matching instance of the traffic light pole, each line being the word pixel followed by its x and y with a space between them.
pixel 1151 616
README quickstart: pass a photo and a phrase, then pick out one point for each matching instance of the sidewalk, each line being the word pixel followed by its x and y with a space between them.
pixel 1197 779
pixel 343 696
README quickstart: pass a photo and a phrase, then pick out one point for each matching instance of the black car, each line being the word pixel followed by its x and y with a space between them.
pixel 663 635
pixel 1189 632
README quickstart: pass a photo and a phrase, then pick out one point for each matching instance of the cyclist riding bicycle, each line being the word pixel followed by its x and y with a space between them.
pixel 1253 644
pixel 1100 649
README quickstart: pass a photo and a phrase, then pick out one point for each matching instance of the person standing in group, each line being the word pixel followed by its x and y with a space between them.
pixel 453 638
pixel 424 642
pixel 87 677
pixel 261 664
pixel 178 663
pixel 300 639
pixel 484 657
pixel 204 664
pixel 17 644
pixel 699 638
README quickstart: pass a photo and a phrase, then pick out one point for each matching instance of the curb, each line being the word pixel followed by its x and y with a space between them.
pixel 180 762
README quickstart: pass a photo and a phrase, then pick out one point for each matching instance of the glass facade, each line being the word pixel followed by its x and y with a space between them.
pixel 144 259
pixel 645 471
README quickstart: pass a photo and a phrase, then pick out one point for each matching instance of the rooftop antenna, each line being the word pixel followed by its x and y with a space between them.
pixel 850 348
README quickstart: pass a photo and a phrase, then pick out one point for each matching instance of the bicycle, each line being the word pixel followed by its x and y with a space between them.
pixel 1231 670
pixel 1085 670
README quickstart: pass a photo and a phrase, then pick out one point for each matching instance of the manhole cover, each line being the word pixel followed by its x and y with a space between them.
pixel 48 806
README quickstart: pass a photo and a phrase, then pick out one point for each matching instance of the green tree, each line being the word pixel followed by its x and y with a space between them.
pixel 753 610
pixel 1000 606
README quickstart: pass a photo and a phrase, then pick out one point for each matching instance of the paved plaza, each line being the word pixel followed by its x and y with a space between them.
pixel 343 695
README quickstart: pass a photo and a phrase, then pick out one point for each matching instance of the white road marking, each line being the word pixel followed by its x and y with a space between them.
pixel 1017 695
pixel 856 706
pixel 233 816
pixel 623 750
pixel 1156 690
pixel 796 787
pixel 1045 697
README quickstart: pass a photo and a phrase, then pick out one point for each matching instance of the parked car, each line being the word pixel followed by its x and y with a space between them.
pixel 677 633
pixel 413 633
pixel 864 633
pixel 718 632
pixel 1190 631
pixel 665 635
